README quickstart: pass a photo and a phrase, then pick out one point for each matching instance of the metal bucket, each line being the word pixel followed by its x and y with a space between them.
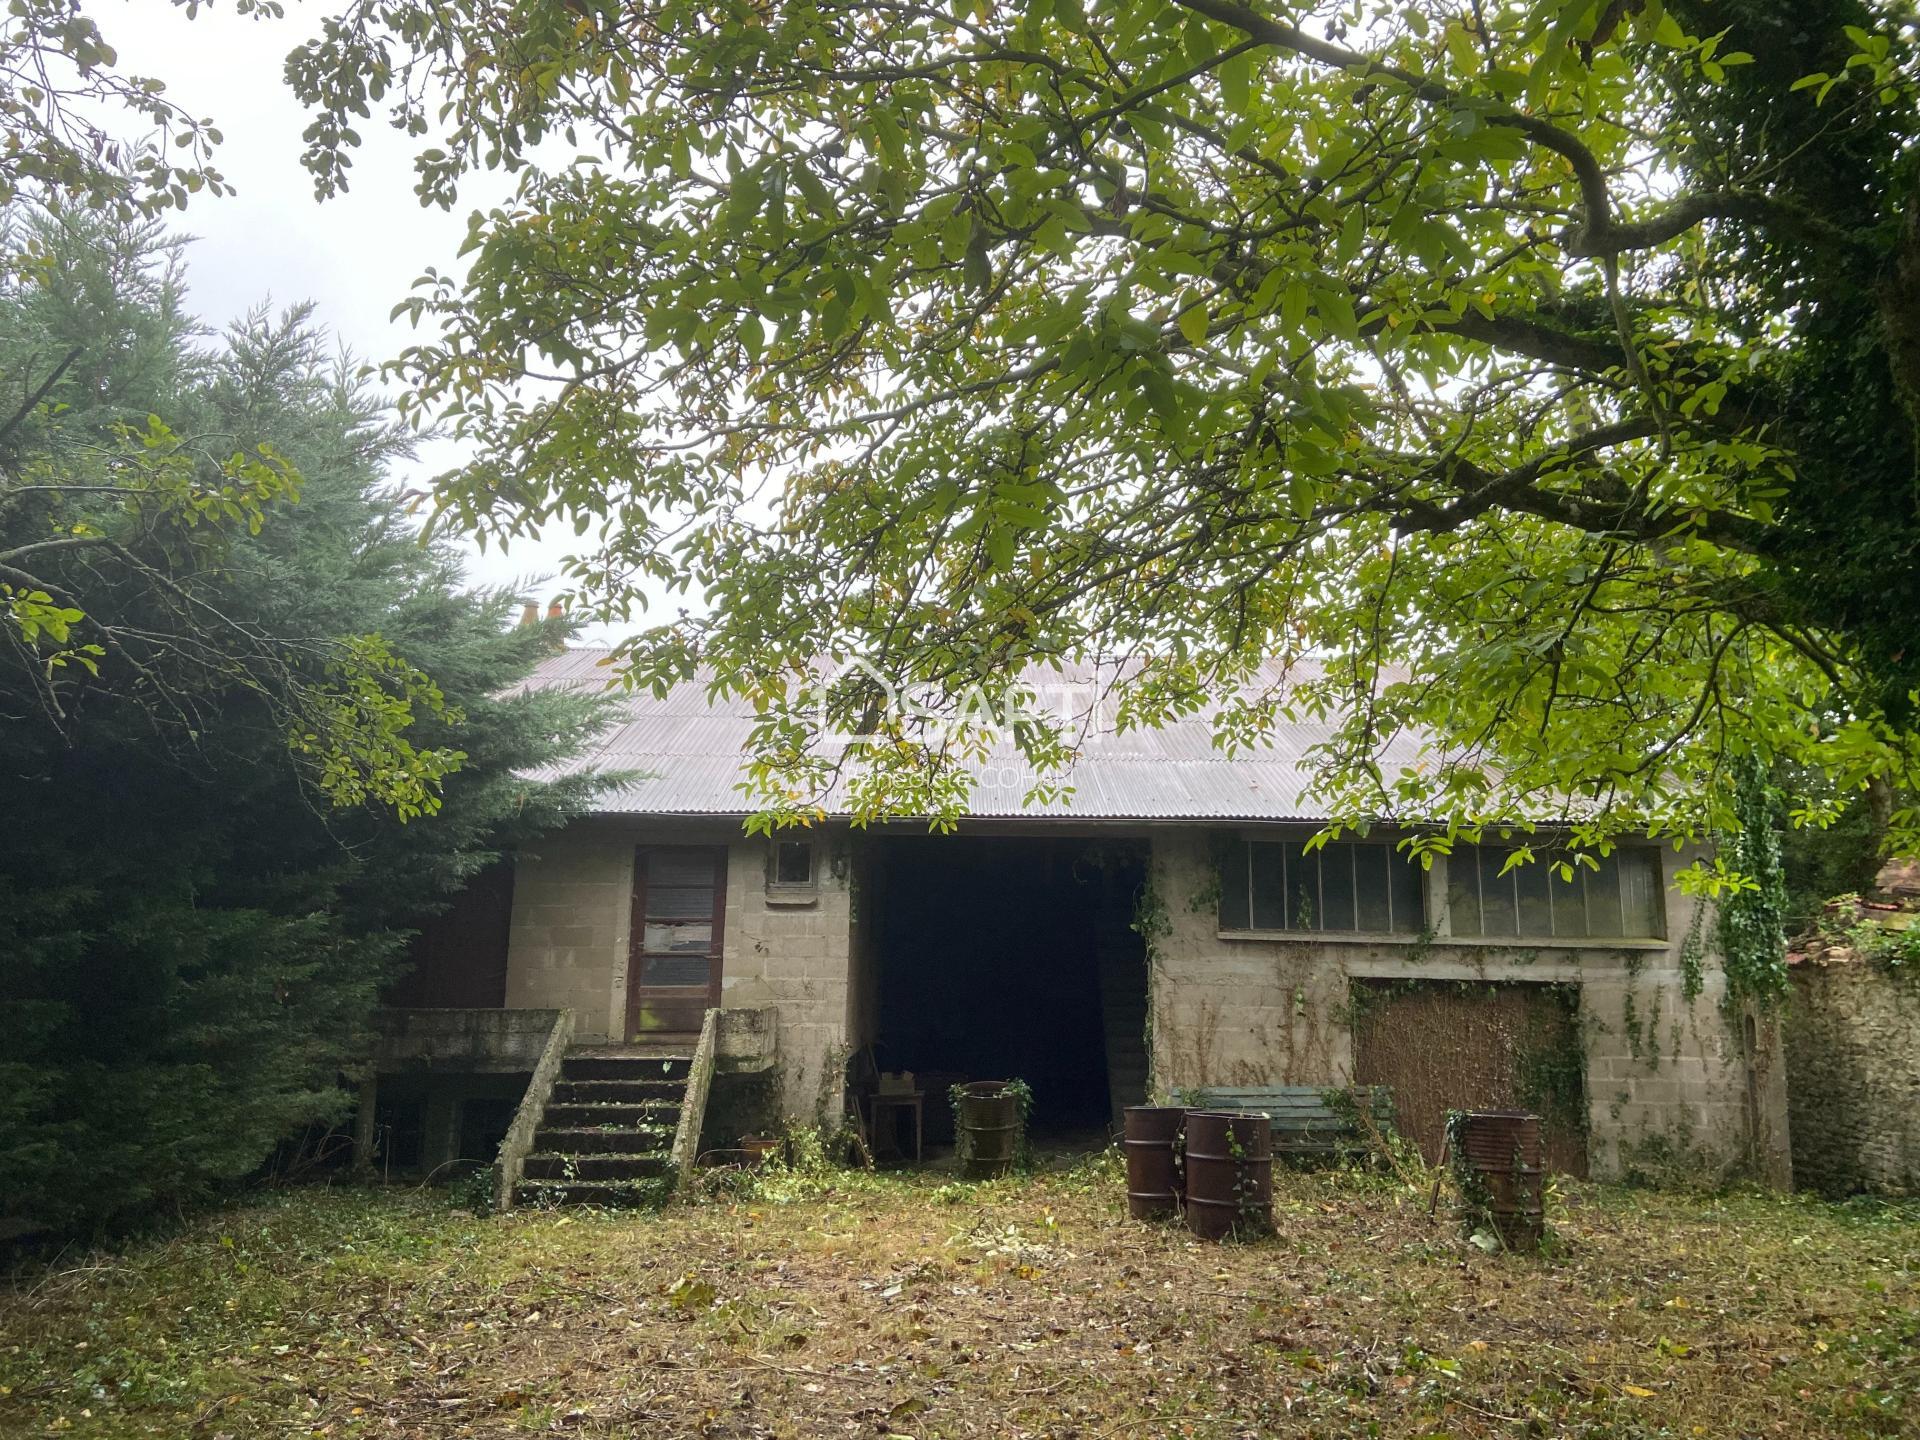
pixel 1506 1149
pixel 1153 1169
pixel 988 1128
pixel 1229 1163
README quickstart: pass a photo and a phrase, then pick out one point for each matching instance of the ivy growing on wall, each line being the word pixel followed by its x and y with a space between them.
pixel 1550 1064
pixel 1753 918
pixel 1693 955
pixel 1152 923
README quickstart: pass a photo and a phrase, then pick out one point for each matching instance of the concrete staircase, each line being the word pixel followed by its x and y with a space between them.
pixel 607 1131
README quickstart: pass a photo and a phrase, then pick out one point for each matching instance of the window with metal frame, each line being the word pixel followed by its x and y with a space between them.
pixel 1615 897
pixel 1364 886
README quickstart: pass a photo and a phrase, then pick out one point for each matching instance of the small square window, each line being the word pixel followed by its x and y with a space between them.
pixel 790 867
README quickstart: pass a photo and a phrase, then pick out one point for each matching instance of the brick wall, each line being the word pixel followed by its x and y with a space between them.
pixel 1662 1075
pixel 1853 1078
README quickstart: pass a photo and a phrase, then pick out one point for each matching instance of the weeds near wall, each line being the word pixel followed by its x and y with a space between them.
pixel 1674 1159
pixel 830 1105
pixel 1385 1151
pixel 1894 950
pixel 811 1161
pixel 1550 1068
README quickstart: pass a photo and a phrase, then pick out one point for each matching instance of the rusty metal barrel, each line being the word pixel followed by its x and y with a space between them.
pixel 1229 1165
pixel 987 1128
pixel 1506 1150
pixel 1152 1138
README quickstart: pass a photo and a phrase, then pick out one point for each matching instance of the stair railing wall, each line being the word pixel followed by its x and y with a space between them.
pixel 693 1112
pixel 533 1108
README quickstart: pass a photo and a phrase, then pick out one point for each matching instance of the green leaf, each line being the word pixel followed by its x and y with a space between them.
pixel 1236 81
pixel 1157 385
pixel 1293 305
pixel 955 234
pixel 1194 322
pixel 1000 548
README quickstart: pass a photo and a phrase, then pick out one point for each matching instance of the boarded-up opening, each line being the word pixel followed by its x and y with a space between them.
pixel 1452 1045
pixel 459 958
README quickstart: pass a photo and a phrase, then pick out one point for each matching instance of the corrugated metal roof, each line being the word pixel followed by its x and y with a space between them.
pixel 692 755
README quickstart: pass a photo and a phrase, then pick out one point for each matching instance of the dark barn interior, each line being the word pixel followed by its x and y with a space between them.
pixel 1012 957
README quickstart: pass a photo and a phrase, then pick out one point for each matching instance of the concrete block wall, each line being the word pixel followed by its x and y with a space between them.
pixel 1662 1075
pixel 572 912
pixel 1853 1066
pixel 796 959
pixel 572 920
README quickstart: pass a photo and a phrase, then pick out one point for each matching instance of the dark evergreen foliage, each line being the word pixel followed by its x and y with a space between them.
pixel 1847 549
pixel 192 937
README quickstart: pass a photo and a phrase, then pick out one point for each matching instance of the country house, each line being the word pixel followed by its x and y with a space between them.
pixel 1164 930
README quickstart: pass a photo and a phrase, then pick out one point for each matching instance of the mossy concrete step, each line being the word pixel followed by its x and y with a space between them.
pixel 607 1092
pixel 613 1194
pixel 618 1117
pixel 626 1067
pixel 603 1141
pixel 594 1167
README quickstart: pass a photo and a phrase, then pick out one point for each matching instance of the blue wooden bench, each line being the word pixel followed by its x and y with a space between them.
pixel 1312 1124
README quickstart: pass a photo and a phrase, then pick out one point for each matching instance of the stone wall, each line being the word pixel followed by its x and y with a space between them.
pixel 1665 1080
pixel 1853 1078
pixel 572 917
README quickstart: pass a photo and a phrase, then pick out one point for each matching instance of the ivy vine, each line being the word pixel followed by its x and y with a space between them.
pixel 1152 923
pixel 1753 919
pixel 1022 1095
pixel 1550 1066
pixel 1693 955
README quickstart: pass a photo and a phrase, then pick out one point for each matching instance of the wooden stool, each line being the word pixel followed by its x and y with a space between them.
pixel 886 1137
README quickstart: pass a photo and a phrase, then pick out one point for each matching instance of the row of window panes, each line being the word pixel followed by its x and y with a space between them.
pixel 1619 897
pixel 1370 887
pixel 1343 885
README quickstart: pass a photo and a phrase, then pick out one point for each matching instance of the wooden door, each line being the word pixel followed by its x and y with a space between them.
pixel 673 958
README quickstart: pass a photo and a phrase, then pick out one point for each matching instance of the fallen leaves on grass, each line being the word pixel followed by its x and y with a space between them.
pixel 894 1306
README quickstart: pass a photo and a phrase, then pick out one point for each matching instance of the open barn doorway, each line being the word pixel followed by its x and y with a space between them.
pixel 999 957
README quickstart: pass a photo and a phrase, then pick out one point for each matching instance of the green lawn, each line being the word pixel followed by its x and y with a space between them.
pixel 864 1306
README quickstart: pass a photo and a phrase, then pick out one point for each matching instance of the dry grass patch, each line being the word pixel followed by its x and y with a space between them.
pixel 863 1307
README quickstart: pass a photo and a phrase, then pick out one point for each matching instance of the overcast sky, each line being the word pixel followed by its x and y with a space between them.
pixel 355 256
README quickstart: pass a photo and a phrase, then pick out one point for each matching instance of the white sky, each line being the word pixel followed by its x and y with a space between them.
pixel 356 256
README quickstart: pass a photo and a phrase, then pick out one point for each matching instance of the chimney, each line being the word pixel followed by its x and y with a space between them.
pixel 555 615
pixel 530 613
